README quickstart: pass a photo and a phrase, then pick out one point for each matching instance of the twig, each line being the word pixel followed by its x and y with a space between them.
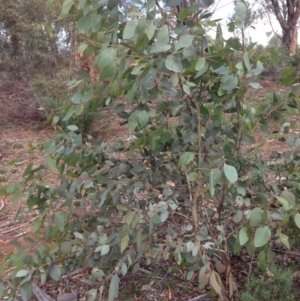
pixel 200 297
pixel 164 14
pixel 1 205
pixel 73 273
pixel 145 271
pixel 18 227
pixel 40 294
pixel 250 268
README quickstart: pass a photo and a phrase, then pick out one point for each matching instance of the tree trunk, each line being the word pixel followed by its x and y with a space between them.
pixel 290 39
pixel 288 22
pixel 11 24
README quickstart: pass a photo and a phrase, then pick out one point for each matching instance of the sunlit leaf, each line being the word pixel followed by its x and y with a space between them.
pixel 113 287
pixel 72 128
pixel 150 30
pixel 186 158
pixel 230 173
pixel 124 242
pixel 143 118
pixel 129 30
pixel 22 273
pixel 163 36
pixel 215 282
pixel 262 236
pixel 240 13
pixel 59 221
pixel 173 63
pixel 243 236
pixel 255 216
pixel 200 64
pixel 285 240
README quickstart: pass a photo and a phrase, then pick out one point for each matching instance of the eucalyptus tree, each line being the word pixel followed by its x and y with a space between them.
pixel 287 13
pixel 182 189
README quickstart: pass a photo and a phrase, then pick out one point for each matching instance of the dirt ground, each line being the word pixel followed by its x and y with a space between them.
pixel 22 126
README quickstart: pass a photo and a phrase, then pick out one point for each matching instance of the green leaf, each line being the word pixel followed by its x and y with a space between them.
pixel 143 118
pixel 163 36
pixel 186 158
pixel 36 225
pixel 240 13
pixel 229 82
pixel 106 58
pixel 72 128
pixel 192 176
pixel 285 240
pixel 55 273
pixel 17 196
pixel 164 216
pixel 243 236
pixel 262 236
pixel 200 64
pixel 255 85
pixel 22 273
pixel 230 173
pixel 158 48
pixel 287 72
pixel 150 30
pixel 214 178
pixel 129 30
pixel 234 43
pixel 173 2
pixel 69 114
pixel 66 7
pixel 84 24
pixel 184 42
pixel 259 68
pixel 78 235
pixel 113 287
pixel 189 275
pixel 141 26
pixel 201 71
pixel 247 61
pixel 173 63
pixel 105 249
pixel 284 202
pixel 59 221
pixel 1 289
pixel 274 58
pixel 133 121
pixel 295 89
pixel 288 81
pixel 297 220
pixel 48 4
pixel 55 120
pixel 91 295
pixel 124 269
pixel 124 242
pixel 289 196
pixel 255 216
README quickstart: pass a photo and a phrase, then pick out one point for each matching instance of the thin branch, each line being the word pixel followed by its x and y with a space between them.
pixel 164 14
pixel 278 15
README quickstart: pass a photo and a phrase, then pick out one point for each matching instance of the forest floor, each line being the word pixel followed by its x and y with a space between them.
pixel 22 128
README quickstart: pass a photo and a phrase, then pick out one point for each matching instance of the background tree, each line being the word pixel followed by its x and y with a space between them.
pixel 287 12
pixel 32 39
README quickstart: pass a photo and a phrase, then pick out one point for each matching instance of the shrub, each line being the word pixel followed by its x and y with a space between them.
pixel 183 99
